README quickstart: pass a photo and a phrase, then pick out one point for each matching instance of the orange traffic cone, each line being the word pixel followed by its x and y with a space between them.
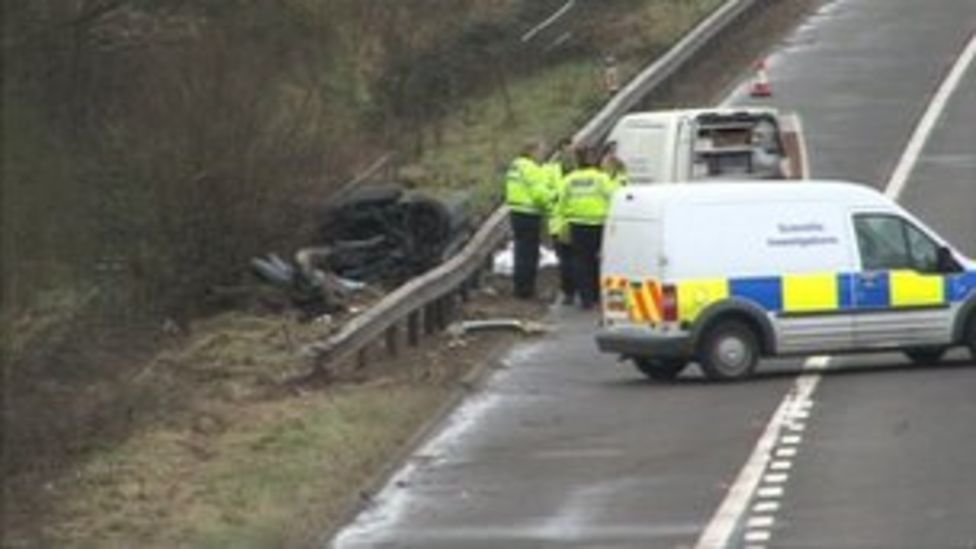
pixel 761 86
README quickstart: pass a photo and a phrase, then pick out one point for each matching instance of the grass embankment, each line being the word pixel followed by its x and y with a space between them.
pixel 239 458
pixel 481 137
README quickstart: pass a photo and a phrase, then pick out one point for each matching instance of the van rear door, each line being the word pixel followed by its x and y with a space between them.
pixel 644 147
pixel 631 262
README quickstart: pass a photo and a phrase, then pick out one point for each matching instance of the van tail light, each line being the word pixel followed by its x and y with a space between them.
pixel 669 303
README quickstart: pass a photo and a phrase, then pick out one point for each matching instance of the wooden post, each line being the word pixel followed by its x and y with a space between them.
pixel 413 328
pixel 430 312
pixel 362 357
pixel 440 306
pixel 392 340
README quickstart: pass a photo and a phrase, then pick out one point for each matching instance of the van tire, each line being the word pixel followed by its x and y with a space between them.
pixel 661 369
pixel 730 350
pixel 970 337
pixel 925 355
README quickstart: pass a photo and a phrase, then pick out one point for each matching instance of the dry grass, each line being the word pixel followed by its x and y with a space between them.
pixel 241 457
pixel 258 478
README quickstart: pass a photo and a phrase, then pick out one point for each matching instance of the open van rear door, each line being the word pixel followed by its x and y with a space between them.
pixel 794 145
pixel 742 144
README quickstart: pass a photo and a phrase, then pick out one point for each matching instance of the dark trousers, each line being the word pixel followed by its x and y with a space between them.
pixel 587 240
pixel 567 268
pixel 526 232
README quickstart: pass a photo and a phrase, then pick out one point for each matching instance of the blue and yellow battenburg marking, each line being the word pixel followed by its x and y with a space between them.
pixel 818 293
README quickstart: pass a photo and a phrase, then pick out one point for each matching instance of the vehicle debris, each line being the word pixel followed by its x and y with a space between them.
pixel 373 238
pixel 503 263
pixel 460 329
pixel 387 235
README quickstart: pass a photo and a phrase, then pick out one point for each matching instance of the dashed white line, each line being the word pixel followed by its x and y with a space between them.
pixel 765 507
pixel 723 525
pixel 770 492
pixel 791 439
pixel 758 535
pixel 786 452
pixel 776 478
pixel 764 521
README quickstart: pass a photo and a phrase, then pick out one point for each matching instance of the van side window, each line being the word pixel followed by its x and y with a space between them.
pixel 925 252
pixel 888 243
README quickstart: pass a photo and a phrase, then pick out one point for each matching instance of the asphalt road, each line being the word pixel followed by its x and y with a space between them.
pixel 566 447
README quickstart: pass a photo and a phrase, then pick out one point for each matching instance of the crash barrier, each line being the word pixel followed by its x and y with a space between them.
pixel 430 302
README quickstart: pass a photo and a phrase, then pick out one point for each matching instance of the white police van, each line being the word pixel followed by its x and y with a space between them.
pixel 726 274
pixel 711 144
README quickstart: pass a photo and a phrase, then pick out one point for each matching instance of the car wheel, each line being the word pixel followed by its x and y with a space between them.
pixel 660 369
pixel 971 337
pixel 729 351
pixel 925 355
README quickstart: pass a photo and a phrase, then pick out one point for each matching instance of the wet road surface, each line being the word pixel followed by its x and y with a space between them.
pixel 564 446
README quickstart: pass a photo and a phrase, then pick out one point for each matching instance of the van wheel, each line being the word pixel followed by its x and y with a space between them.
pixel 925 355
pixel 729 351
pixel 971 338
pixel 661 369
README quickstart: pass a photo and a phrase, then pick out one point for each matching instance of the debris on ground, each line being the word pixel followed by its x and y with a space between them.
pixel 312 291
pixel 460 329
pixel 503 263
pixel 388 235
pixel 374 237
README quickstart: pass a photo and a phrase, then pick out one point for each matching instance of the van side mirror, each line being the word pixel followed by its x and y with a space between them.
pixel 947 262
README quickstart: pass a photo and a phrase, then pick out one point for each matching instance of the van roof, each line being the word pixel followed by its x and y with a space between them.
pixel 720 111
pixel 650 200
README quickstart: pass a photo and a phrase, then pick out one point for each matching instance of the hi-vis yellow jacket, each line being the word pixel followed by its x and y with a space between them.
pixel 557 224
pixel 585 196
pixel 527 187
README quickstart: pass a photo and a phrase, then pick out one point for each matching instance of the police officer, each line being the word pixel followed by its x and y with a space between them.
pixel 612 165
pixel 584 203
pixel 561 165
pixel 528 193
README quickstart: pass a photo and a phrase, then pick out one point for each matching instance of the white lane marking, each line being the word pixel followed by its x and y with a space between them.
pixel 549 21
pixel 776 478
pixel 765 507
pixel 757 535
pixel 899 178
pixel 770 492
pixel 720 528
pixel 780 465
pixel 765 521
pixel 799 414
pixel 785 452
pixel 791 439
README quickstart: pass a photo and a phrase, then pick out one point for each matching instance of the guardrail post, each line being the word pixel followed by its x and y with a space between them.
pixel 362 357
pixel 413 328
pixel 392 339
pixel 430 311
pixel 454 301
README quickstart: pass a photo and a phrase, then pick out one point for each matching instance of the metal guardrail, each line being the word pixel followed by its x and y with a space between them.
pixel 429 302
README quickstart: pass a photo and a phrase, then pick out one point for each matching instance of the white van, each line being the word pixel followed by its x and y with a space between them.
pixel 710 144
pixel 726 274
